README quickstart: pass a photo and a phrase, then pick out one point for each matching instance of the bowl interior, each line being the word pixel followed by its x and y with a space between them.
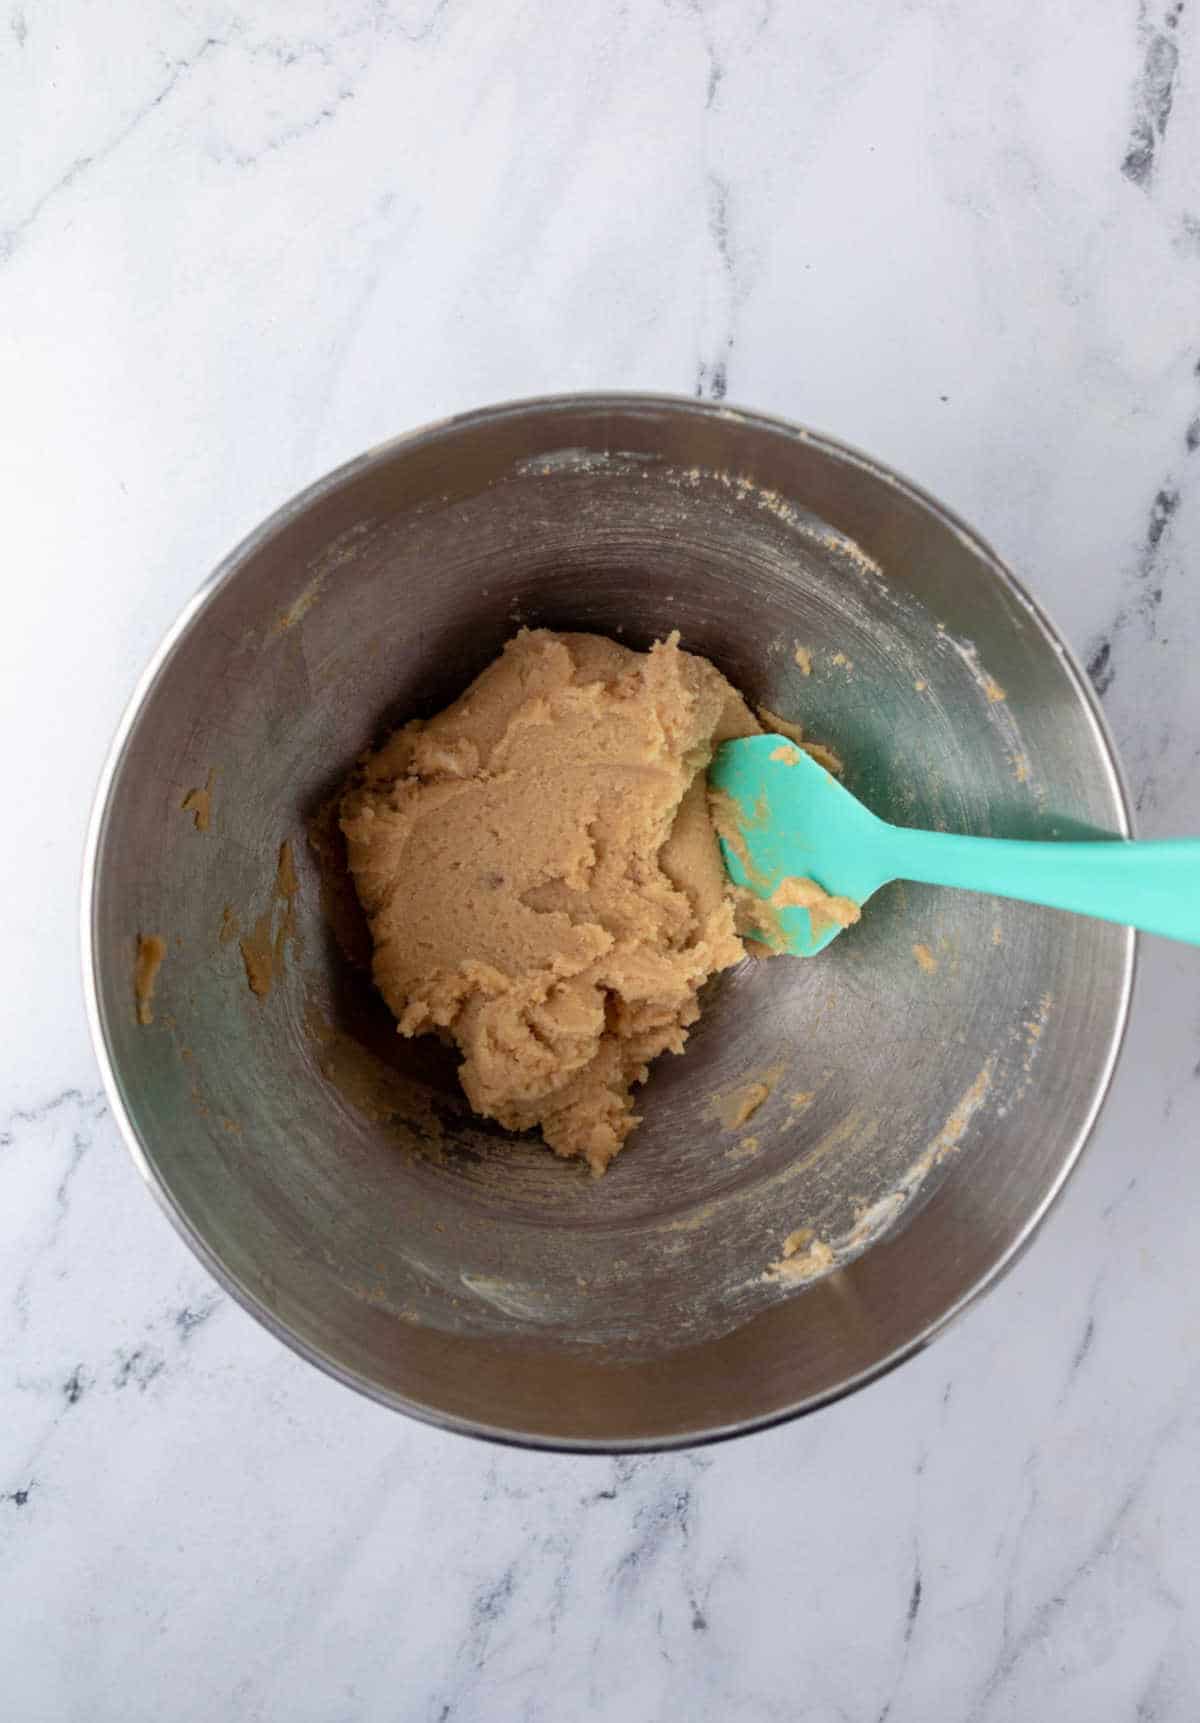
pixel 923 1086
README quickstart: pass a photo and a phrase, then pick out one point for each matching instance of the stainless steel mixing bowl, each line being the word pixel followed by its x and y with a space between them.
pixel 922 1106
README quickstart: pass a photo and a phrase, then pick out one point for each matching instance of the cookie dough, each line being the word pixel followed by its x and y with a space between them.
pixel 543 880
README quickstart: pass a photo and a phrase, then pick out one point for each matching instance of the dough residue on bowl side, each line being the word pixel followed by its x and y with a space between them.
pixel 151 952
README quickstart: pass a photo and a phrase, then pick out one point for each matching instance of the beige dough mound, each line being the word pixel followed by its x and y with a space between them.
pixel 542 878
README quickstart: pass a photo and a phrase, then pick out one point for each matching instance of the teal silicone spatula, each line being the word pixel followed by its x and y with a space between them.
pixel 795 821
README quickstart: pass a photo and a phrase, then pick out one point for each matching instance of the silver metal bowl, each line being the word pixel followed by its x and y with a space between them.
pixel 926 1085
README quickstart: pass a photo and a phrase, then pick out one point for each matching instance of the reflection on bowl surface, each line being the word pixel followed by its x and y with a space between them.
pixel 851 1146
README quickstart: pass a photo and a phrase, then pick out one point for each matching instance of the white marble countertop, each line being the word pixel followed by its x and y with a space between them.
pixel 238 246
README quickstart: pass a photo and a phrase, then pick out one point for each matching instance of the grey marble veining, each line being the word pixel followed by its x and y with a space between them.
pixel 237 246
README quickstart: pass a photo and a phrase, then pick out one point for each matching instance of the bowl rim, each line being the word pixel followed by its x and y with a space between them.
pixel 378 454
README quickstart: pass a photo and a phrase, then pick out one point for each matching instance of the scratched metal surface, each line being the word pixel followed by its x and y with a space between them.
pixel 425 1256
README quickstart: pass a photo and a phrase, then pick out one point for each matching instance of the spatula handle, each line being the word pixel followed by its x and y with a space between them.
pixel 1153 886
